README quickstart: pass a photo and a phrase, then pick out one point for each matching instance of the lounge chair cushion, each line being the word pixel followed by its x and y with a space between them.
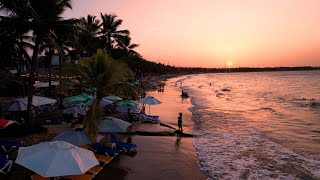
pixel 98 148
pixel 119 144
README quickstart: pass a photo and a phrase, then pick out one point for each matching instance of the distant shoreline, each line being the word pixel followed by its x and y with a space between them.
pixel 186 70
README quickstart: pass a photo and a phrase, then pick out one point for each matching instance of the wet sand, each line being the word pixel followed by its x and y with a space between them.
pixel 160 157
pixel 156 158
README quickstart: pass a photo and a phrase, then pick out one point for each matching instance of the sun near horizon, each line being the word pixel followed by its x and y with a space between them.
pixel 205 33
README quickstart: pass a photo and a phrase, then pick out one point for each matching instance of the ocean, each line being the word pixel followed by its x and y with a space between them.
pixel 255 125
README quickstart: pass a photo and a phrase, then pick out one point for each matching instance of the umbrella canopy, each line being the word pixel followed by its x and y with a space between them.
pixel 104 102
pixel 149 100
pixel 4 123
pixel 58 158
pixel 38 100
pixel 75 136
pixel 113 98
pixel 74 99
pixel 86 96
pixel 124 108
pixel 90 89
pixel 69 110
pixel 110 124
pixel 46 84
pixel 15 106
pixel 90 102
pixel 128 102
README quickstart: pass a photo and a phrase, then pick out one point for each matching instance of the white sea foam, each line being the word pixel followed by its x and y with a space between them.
pixel 231 128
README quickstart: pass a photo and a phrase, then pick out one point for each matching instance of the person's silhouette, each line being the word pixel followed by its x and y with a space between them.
pixel 180 122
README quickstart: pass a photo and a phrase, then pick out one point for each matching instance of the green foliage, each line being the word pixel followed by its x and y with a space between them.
pixel 102 72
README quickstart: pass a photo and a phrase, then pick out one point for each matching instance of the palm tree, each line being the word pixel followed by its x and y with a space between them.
pixel 110 32
pixel 124 43
pixel 102 73
pixel 86 40
pixel 41 19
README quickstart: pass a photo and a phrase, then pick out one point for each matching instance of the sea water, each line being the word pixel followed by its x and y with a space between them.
pixel 257 125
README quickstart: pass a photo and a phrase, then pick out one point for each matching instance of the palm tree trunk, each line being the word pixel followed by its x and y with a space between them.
pixel 60 78
pixel 50 59
pixel 32 70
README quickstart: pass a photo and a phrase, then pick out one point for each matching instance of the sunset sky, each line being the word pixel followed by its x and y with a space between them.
pixel 208 33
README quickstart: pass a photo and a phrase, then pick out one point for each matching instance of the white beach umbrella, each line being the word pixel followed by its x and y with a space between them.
pixel 38 100
pixel 77 109
pixel 124 108
pixel 111 124
pixel 149 100
pixel 75 136
pixel 58 158
pixel 104 102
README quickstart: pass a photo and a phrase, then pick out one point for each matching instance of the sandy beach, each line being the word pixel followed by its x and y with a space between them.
pixel 158 157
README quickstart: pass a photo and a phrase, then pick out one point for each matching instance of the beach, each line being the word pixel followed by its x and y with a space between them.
pixel 159 156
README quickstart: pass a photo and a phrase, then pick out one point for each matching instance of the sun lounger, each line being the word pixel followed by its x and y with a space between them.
pixel 98 148
pixel 125 146
pixel 9 145
pixel 103 159
pixel 153 119
pixel 149 118
pixel 78 177
pixel 5 163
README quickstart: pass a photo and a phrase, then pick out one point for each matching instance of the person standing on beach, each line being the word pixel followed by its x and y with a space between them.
pixel 180 122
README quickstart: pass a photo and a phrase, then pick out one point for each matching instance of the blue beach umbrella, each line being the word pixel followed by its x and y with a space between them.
pixel 75 136
pixel 111 124
pixel 15 106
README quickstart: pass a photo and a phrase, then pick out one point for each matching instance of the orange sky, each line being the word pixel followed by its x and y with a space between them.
pixel 207 33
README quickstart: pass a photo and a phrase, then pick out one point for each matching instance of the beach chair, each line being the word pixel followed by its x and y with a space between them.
pixel 9 145
pixel 149 118
pixel 125 146
pixel 103 159
pixel 5 163
pixel 98 148
pixel 78 177
pixel 95 170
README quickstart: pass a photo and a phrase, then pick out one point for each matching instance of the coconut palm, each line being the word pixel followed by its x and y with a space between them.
pixel 87 41
pixel 102 73
pixel 39 18
pixel 110 32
